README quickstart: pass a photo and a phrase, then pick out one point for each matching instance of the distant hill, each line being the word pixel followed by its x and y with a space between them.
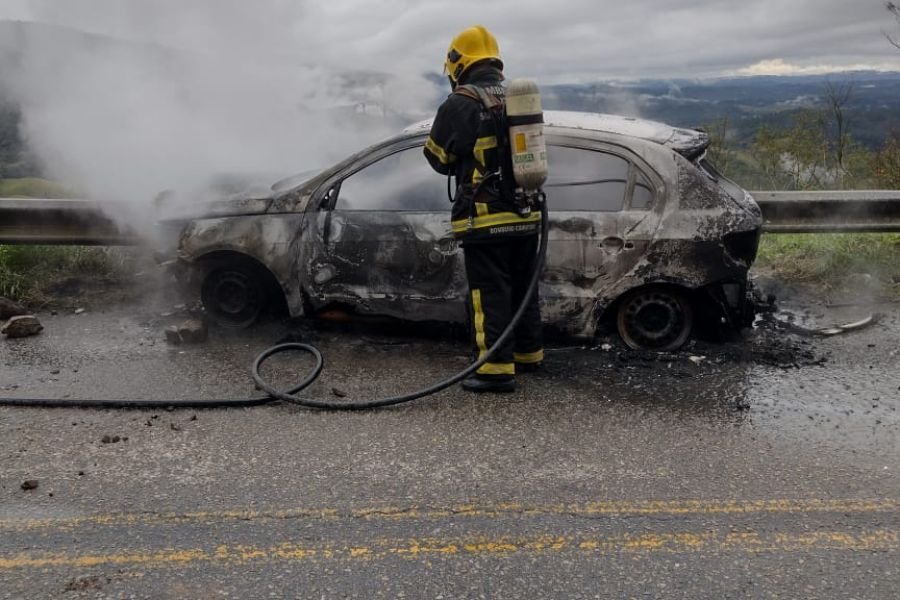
pixel 747 102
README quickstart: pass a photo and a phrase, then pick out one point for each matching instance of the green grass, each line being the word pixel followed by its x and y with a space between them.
pixel 830 260
pixel 34 187
pixel 28 273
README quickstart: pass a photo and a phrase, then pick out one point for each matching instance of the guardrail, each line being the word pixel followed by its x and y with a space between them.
pixel 60 222
pixel 829 211
pixel 82 222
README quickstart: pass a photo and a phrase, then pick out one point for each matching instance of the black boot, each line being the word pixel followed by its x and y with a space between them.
pixel 528 367
pixel 498 386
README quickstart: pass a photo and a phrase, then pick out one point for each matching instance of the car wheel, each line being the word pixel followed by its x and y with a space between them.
pixel 657 318
pixel 234 296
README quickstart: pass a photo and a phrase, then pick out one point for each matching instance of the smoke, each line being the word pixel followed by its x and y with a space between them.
pixel 125 99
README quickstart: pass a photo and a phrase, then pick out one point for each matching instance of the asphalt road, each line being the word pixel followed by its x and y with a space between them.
pixel 754 472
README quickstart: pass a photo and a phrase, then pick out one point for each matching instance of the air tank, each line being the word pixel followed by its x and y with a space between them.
pixel 525 117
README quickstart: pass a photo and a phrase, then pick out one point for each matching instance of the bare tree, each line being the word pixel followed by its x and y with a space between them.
pixel 894 9
pixel 837 96
pixel 720 151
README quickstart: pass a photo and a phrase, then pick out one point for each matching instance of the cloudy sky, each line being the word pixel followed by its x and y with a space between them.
pixel 558 40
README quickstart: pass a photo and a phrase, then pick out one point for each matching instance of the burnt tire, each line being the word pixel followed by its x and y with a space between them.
pixel 234 296
pixel 657 318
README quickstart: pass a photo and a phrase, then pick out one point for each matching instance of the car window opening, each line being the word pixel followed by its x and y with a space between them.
pixel 643 194
pixel 586 180
pixel 402 181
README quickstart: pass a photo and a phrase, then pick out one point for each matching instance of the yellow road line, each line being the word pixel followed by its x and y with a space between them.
pixel 708 541
pixel 592 509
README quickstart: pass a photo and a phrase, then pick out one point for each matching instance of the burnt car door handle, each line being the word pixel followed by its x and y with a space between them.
pixel 613 244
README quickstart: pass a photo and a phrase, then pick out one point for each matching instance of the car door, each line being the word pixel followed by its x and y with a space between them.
pixel 601 220
pixel 586 189
pixel 381 242
pixel 641 216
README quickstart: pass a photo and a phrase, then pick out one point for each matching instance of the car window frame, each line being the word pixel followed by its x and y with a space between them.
pixel 655 189
pixel 325 196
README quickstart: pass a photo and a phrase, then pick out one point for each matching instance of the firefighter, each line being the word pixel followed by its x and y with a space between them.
pixel 499 236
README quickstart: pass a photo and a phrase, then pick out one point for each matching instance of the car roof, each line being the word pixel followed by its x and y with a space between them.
pixel 689 142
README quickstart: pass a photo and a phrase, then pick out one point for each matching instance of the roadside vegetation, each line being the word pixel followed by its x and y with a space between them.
pixel 46 275
pixel 34 187
pixel 867 264
pixel 38 275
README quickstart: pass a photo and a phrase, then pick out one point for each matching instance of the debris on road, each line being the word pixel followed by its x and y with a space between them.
pixel 10 309
pixel 31 484
pixel 112 439
pixel 822 331
pixel 89 582
pixel 172 335
pixel 192 331
pixel 839 329
pixel 22 326
pixel 79 311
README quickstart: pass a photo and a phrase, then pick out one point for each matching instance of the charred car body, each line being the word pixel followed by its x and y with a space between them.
pixel 644 234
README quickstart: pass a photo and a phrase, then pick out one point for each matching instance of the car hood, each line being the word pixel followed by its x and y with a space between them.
pixel 235 195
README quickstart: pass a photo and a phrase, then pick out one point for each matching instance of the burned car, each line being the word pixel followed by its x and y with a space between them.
pixel 644 236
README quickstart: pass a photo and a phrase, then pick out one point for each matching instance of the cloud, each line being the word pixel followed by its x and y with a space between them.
pixel 778 66
pixel 550 40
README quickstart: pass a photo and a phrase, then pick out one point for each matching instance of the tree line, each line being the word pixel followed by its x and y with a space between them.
pixel 815 149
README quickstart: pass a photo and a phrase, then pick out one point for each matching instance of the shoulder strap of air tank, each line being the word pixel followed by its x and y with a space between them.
pixel 478 94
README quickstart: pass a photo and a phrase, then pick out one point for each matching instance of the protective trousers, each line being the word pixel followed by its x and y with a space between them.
pixel 498 274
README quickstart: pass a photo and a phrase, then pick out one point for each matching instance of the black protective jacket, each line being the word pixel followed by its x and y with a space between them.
pixel 465 142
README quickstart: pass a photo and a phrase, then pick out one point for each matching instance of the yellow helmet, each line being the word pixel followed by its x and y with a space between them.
pixel 473 45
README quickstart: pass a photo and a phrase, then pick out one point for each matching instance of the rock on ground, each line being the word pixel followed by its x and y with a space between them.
pixel 192 331
pixel 22 326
